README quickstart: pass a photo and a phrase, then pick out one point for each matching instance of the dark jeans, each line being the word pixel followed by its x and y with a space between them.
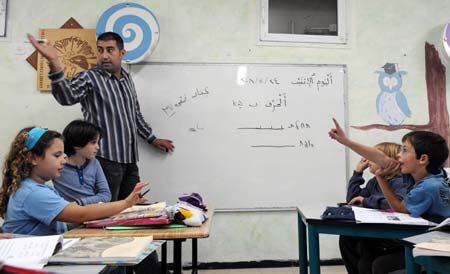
pixel 121 177
pixel 121 180
pixel 369 255
pixel 389 263
pixel 149 265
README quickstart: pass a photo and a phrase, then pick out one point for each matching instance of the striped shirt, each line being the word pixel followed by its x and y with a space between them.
pixel 109 103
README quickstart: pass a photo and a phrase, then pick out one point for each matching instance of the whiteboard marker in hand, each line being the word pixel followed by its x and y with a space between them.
pixel 39 40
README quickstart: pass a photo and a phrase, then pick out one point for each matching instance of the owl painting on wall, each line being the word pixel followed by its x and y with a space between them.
pixel 392 105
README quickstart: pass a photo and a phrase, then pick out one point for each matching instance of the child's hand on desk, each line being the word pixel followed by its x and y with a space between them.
pixel 6 236
pixel 356 201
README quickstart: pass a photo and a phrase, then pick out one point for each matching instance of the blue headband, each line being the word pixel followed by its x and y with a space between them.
pixel 33 137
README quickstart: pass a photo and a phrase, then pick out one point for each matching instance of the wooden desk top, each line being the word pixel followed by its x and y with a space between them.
pixel 157 233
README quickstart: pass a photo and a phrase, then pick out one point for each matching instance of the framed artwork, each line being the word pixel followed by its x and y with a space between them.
pixel 77 51
pixel 3 17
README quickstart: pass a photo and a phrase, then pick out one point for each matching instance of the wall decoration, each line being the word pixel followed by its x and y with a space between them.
pixel 391 102
pixel 3 17
pixel 77 51
pixel 136 24
pixel 69 24
pixel 437 99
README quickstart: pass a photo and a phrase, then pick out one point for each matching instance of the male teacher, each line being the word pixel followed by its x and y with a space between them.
pixel 108 99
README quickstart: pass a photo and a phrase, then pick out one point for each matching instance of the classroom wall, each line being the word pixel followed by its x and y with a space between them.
pixel 227 31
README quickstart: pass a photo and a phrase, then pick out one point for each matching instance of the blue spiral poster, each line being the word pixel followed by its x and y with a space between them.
pixel 137 26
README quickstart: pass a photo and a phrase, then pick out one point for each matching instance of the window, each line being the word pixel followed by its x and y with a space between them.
pixel 308 21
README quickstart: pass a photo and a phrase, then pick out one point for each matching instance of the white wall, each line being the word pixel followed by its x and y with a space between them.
pixel 227 31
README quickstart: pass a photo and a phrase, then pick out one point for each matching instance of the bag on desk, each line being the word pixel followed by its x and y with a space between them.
pixel 338 213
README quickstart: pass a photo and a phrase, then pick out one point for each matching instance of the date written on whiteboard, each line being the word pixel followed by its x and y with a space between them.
pixel 170 109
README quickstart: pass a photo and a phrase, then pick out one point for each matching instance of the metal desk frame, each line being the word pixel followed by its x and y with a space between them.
pixel 315 226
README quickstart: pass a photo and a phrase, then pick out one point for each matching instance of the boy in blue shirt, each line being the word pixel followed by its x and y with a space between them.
pixel 82 179
pixel 421 159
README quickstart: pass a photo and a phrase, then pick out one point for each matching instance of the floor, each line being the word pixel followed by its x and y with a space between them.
pixel 284 270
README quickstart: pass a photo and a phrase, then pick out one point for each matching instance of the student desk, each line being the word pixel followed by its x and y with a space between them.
pixel 177 235
pixel 433 264
pixel 309 221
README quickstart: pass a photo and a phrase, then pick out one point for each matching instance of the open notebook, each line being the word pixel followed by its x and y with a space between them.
pixel 107 250
pixel 29 252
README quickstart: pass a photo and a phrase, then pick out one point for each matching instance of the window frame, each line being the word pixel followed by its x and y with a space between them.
pixel 340 38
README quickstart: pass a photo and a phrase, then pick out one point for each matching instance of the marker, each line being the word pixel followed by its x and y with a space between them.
pixel 39 40
pixel 143 194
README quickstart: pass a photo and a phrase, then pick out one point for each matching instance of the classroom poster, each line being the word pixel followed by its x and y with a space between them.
pixel 77 51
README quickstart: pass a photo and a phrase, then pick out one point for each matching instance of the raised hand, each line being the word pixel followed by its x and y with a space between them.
pixel 48 51
pixel 338 133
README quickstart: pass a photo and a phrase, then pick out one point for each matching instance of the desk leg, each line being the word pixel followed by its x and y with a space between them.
pixel 177 263
pixel 411 267
pixel 194 256
pixel 314 252
pixel 164 258
pixel 302 246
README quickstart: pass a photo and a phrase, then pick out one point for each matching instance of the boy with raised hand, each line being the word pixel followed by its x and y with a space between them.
pixel 421 159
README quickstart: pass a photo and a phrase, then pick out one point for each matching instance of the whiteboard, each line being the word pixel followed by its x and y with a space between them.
pixel 246 135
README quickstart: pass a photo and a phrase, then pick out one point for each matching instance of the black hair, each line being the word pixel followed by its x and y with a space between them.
pixel 78 133
pixel 431 144
pixel 111 36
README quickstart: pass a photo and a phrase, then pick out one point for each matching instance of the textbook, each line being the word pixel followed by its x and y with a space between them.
pixel 377 216
pixel 107 250
pixel 135 212
pixel 29 252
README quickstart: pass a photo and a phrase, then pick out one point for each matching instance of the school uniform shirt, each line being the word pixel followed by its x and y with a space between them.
pixel 32 210
pixel 85 185
pixel 110 104
pixel 372 193
pixel 430 198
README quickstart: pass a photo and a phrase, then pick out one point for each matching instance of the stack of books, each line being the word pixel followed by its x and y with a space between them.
pixel 134 216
